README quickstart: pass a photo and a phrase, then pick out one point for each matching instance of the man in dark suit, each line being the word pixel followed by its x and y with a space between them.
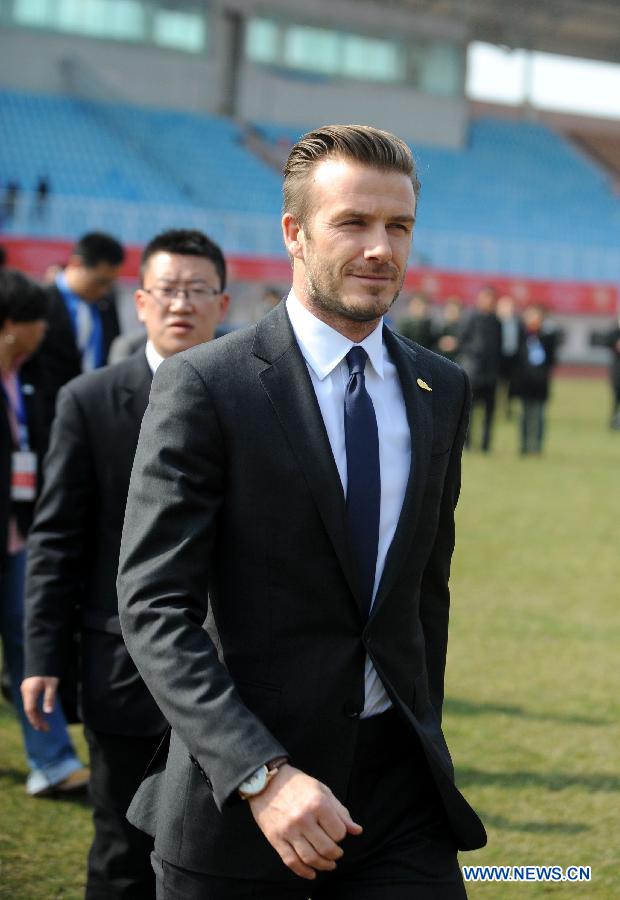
pixel 81 321
pixel 480 355
pixel 612 340
pixel 283 580
pixel 74 548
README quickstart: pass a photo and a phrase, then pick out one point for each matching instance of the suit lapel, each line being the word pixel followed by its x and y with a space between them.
pixel 418 405
pixel 135 388
pixel 288 385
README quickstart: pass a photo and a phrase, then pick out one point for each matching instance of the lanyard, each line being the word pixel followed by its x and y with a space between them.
pixel 18 409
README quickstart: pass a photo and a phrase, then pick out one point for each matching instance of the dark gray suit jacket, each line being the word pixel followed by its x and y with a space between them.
pixel 238 593
pixel 74 545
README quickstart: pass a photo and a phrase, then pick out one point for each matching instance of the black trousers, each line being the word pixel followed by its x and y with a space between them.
pixel 482 397
pixel 532 425
pixel 119 857
pixel 407 851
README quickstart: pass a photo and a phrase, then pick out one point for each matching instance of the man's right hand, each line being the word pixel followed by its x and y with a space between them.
pixel 32 688
pixel 303 821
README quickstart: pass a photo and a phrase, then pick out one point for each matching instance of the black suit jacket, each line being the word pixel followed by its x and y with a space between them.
pixel 235 492
pixel 74 546
pixel 533 382
pixel 59 356
pixel 480 349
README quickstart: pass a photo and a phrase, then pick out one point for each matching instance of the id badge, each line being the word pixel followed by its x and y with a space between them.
pixel 24 475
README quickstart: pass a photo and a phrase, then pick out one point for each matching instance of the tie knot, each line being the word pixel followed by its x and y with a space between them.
pixel 356 360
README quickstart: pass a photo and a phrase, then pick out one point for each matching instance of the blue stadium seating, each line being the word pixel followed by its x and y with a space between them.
pixel 515 179
pixel 517 198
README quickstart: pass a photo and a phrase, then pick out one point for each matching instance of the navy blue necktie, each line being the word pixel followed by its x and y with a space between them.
pixel 363 473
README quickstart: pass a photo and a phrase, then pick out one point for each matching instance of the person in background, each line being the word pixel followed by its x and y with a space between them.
pixel 53 762
pixel 41 196
pixel 74 546
pixel 448 329
pixel 510 324
pixel 535 362
pixel 82 319
pixel 612 340
pixel 10 200
pixel 479 355
pixel 418 325
pixel 270 299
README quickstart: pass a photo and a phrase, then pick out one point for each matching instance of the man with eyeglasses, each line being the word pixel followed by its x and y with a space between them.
pixel 73 554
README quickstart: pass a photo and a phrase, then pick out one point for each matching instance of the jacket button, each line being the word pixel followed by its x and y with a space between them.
pixel 351 710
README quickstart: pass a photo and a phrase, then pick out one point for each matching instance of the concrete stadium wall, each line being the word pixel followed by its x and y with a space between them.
pixel 138 74
pixel 271 96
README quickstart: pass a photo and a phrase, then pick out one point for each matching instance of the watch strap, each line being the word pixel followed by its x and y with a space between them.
pixel 271 769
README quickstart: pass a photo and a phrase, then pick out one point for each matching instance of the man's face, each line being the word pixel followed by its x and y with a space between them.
pixel 418 308
pixel 27 335
pixel 181 301
pixel 452 312
pixel 485 301
pixel 505 307
pixel 533 318
pixel 351 254
pixel 91 283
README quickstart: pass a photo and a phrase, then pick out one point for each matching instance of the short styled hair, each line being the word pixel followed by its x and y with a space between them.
pixel 359 143
pixel 21 299
pixel 96 247
pixel 185 242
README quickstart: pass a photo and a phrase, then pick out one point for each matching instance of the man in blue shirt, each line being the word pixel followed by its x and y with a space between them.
pixel 82 319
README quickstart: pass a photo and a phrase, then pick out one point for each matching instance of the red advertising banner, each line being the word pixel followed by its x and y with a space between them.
pixel 35 256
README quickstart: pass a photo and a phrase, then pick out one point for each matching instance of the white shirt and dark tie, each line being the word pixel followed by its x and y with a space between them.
pixel 325 351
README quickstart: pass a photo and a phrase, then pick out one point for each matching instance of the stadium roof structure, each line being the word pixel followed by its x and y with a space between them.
pixel 585 28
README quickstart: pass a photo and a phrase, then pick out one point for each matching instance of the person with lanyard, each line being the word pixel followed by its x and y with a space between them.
pixel 535 362
pixel 52 759
pixel 81 317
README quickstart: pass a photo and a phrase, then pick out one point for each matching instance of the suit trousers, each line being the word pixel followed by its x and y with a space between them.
pixel 119 857
pixel 406 851
pixel 483 396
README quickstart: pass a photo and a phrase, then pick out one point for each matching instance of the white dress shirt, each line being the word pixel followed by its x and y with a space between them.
pixel 153 358
pixel 324 351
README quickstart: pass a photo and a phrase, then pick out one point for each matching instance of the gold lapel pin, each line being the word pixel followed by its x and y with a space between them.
pixel 421 383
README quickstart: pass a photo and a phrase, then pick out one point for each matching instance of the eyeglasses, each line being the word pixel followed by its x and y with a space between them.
pixel 168 293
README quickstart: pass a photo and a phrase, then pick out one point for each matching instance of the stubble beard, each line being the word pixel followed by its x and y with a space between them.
pixel 325 293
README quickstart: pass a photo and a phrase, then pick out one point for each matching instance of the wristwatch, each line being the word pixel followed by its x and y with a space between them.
pixel 257 782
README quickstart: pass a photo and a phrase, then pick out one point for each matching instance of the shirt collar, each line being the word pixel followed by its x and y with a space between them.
pixel 323 347
pixel 153 358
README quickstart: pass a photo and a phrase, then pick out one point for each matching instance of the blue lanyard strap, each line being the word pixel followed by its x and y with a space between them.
pixel 20 414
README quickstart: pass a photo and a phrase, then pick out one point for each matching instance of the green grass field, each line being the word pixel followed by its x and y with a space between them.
pixel 533 684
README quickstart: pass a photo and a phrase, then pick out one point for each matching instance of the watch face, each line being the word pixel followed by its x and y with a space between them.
pixel 255 783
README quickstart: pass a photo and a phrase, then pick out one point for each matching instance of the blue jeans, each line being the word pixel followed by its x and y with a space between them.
pixel 52 751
